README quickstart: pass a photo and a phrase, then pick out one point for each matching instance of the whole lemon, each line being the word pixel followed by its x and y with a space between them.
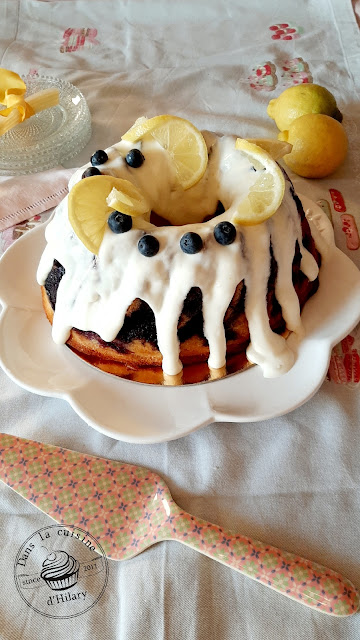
pixel 319 145
pixel 300 100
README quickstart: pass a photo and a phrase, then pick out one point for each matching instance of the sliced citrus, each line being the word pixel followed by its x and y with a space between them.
pixel 89 206
pixel 184 143
pixel 266 194
pixel 275 148
pixel 127 198
pixel 144 126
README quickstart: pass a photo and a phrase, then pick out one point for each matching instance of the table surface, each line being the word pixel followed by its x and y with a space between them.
pixel 293 481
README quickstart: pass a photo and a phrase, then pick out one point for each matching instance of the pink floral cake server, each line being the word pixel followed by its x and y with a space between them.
pixel 129 508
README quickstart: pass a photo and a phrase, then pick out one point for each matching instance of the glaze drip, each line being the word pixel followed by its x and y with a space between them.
pixel 95 296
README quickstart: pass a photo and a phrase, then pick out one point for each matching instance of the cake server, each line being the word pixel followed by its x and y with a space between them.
pixel 129 508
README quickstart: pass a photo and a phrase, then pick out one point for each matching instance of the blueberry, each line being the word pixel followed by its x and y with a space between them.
pixel 225 233
pixel 91 171
pixel 191 243
pixel 134 158
pixel 119 222
pixel 148 246
pixel 99 157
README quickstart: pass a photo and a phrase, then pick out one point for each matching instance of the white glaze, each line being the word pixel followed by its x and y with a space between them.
pixel 94 295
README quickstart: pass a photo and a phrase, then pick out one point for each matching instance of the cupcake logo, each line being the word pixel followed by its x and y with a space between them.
pixel 61 571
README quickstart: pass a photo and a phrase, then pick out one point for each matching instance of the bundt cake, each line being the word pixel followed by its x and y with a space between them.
pixel 149 275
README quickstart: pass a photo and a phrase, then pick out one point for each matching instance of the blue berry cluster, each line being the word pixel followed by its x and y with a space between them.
pixel 134 159
pixel 99 157
pixel 190 243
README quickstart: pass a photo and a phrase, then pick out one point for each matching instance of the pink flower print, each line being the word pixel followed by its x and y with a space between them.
pixel 25 226
pixel 263 77
pixel 285 31
pixel 295 71
pixel 345 363
pixel 75 39
pixel 6 239
pixel 347 344
pixel 337 371
pixel 350 229
pixel 338 200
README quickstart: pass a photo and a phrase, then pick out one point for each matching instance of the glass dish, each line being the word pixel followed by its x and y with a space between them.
pixel 50 137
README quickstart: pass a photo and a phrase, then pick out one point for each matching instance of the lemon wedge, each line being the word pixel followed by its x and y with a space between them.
pixel 266 194
pixel 275 148
pixel 184 143
pixel 93 199
pixel 127 198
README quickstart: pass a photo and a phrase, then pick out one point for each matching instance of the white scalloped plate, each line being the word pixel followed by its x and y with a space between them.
pixel 141 413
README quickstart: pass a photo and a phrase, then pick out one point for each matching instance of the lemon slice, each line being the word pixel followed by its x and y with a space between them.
pixel 184 143
pixel 275 148
pixel 93 199
pixel 266 194
pixel 143 126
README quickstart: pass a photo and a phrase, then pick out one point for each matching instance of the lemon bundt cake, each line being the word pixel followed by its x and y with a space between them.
pixel 179 249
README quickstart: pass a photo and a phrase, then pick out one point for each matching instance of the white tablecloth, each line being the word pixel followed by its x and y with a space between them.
pixel 292 481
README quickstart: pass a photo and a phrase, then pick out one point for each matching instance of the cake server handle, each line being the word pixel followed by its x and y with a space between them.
pixel 302 580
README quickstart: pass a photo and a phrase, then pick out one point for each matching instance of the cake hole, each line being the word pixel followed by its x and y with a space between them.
pixel 159 221
pixel 218 211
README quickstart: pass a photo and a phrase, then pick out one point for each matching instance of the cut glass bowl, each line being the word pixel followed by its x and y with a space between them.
pixel 50 137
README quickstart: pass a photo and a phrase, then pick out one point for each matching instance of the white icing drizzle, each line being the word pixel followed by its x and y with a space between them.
pixel 95 293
